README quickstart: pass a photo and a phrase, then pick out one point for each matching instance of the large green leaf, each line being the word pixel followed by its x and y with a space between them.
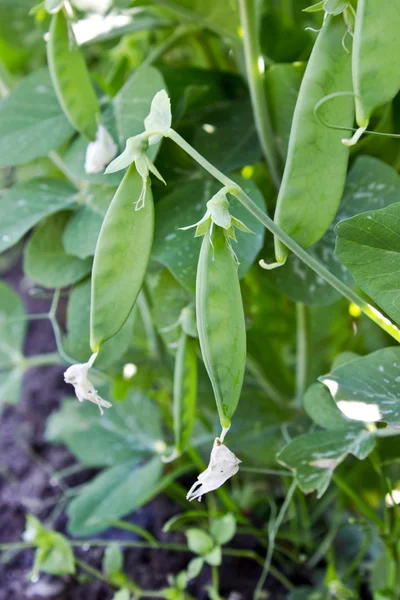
pixel 12 334
pixel 76 343
pixel 283 84
pixel 370 185
pixel 129 431
pixel 369 246
pixel 367 388
pixel 81 233
pixel 27 203
pixel 113 494
pixel 314 456
pixel 45 260
pixel 228 139
pixel 31 121
pixel 179 250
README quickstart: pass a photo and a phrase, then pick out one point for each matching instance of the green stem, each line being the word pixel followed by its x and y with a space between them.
pixel 42 360
pixel 61 166
pixel 263 471
pixel 272 392
pixel 159 50
pixel 374 314
pixel 302 328
pixel 352 494
pixel 271 538
pixel 255 77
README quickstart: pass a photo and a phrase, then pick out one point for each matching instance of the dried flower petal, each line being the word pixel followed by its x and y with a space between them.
pixel 77 375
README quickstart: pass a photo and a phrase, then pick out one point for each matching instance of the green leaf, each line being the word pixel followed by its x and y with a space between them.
pixel 314 456
pixel 76 342
pixel 283 84
pixel 228 138
pixel 179 250
pixel 214 557
pixel 368 245
pixel 113 560
pixel 81 232
pixel 321 408
pixel 11 385
pixel 31 121
pixel 199 541
pixel 12 326
pixel 45 260
pixel 315 7
pixel 54 554
pixel 367 388
pixel 335 7
pixel 122 595
pixel 370 185
pixel 194 567
pixel 129 431
pixel 27 203
pixel 113 494
pixel 223 528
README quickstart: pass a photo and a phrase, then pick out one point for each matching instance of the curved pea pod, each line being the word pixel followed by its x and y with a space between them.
pixel 316 165
pixel 121 258
pixel 376 51
pixel 71 79
pixel 185 391
pixel 220 322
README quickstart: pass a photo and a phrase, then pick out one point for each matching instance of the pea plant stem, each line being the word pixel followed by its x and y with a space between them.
pixel 374 314
pixel 301 350
pixel 255 75
pixel 274 528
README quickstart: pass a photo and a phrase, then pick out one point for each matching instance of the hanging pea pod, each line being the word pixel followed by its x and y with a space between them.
pixel 121 258
pixel 316 164
pixel 71 78
pixel 220 321
pixel 185 391
pixel 376 67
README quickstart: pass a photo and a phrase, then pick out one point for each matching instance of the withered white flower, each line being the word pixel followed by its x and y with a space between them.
pixel 100 152
pixel 223 465
pixel 77 375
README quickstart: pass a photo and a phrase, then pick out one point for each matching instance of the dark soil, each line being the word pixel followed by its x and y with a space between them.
pixel 27 463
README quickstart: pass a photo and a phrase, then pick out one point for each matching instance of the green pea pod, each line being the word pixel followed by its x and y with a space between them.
pixel 121 258
pixel 316 164
pixel 376 51
pixel 220 322
pixel 71 79
pixel 185 391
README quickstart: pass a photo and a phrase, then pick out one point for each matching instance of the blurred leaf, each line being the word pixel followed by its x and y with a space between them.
pixel 228 138
pixel 179 250
pixel 81 232
pixel 31 120
pixel 283 84
pixel 113 560
pixel 367 388
pixel 112 494
pixel 368 244
pixel 27 203
pixel 76 342
pixel 11 385
pixel 127 432
pixel 223 528
pixel 314 456
pixel 199 541
pixel 370 185
pixel 54 554
pixel 45 260
pixel 12 326
pixel 320 407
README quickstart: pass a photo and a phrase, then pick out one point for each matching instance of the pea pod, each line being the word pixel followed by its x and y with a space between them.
pixel 121 258
pixel 220 322
pixel 71 79
pixel 185 391
pixel 316 165
pixel 376 48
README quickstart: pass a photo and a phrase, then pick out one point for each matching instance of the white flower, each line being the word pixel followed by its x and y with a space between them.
pixel 100 152
pixel 135 151
pixel 223 465
pixel 77 375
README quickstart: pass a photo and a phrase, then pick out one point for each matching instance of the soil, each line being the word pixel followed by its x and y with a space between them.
pixel 27 463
